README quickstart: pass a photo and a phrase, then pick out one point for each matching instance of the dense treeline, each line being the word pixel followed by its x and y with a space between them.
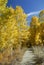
pixel 14 31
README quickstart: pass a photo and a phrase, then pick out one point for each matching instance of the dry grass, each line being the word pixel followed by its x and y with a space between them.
pixel 7 59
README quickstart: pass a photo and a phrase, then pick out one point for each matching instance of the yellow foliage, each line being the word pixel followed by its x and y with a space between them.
pixel 36 30
pixel 14 29
pixel 12 23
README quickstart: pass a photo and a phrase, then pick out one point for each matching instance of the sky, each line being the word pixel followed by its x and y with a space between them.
pixel 27 5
